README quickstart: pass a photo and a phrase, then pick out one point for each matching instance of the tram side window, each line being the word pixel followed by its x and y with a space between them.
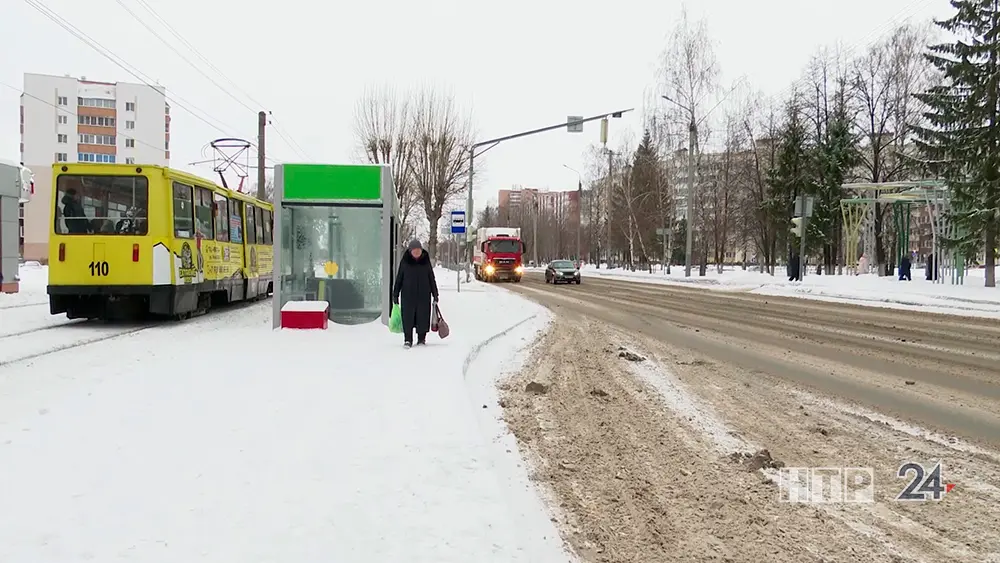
pixel 221 218
pixel 235 222
pixel 259 220
pixel 203 213
pixel 102 205
pixel 267 227
pixel 183 211
pixel 251 225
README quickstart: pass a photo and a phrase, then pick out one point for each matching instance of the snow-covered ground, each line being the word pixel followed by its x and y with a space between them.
pixel 971 299
pixel 218 439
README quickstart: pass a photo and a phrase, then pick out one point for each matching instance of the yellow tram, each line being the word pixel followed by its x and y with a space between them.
pixel 128 240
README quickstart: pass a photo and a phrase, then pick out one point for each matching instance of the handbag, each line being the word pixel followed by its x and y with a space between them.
pixel 442 326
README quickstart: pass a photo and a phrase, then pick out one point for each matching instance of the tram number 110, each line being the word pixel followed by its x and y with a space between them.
pixel 99 269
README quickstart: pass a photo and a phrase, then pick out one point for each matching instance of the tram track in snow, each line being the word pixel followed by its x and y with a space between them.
pixel 21 347
pixel 26 345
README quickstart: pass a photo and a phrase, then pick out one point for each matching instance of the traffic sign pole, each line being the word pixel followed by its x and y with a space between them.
pixel 458 230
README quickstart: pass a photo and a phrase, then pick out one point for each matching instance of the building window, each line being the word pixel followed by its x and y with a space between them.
pixel 62 138
pixel 166 145
pixel 129 106
pixel 97 121
pixel 63 120
pixel 63 100
pixel 89 139
pixel 93 157
pixel 129 160
pixel 96 103
pixel 61 157
pixel 130 125
pixel 130 143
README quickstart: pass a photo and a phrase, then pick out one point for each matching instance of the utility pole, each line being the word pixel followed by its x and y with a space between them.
pixel 579 218
pixel 607 217
pixel 692 135
pixel 534 230
pixel 261 176
pixel 467 254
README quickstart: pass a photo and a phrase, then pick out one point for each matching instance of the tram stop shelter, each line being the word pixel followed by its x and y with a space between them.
pixel 16 188
pixel 337 229
pixel 903 197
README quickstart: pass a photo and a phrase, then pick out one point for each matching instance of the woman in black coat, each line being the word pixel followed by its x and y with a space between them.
pixel 415 286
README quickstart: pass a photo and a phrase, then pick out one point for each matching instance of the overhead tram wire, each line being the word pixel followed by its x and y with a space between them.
pixel 158 147
pixel 294 145
pixel 195 50
pixel 150 29
pixel 869 39
pixel 288 140
pixel 124 65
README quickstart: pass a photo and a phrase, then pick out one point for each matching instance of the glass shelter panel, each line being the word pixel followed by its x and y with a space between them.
pixel 333 254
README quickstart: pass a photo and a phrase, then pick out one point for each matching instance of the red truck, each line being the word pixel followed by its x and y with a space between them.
pixel 497 254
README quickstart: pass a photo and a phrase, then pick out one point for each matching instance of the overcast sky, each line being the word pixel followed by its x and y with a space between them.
pixel 516 64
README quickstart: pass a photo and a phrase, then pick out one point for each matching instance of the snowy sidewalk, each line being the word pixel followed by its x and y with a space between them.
pixel 970 299
pixel 224 441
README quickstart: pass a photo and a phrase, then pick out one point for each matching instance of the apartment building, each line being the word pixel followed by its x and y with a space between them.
pixel 67 119
pixel 515 201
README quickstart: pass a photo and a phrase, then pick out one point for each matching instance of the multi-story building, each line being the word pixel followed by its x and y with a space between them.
pixel 65 119
pixel 516 201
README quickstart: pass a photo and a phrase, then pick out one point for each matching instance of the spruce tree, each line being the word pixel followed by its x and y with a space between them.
pixel 961 143
pixel 790 176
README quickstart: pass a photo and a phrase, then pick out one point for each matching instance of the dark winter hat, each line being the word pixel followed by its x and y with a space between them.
pixel 414 244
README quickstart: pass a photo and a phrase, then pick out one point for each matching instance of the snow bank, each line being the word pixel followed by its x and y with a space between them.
pixel 31 289
pixel 221 440
pixel 971 299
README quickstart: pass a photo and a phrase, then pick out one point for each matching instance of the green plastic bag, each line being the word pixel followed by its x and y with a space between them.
pixel 396 320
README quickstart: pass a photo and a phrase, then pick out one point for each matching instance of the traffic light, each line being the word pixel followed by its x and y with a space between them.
pixel 797 228
pixel 616 114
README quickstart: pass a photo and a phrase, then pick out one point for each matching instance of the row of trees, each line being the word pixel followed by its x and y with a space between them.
pixel 898 111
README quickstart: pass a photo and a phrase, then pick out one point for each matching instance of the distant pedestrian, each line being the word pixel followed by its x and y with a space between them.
pixel 413 290
pixel 905 268
pixel 794 273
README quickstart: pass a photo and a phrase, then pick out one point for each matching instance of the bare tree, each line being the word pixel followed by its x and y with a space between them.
pixel 884 80
pixel 690 74
pixel 383 132
pixel 441 136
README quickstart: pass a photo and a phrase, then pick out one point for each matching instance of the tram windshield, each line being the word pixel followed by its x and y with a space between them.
pixel 102 205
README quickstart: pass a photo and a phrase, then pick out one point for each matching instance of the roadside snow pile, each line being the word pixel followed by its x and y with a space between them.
pixel 971 299
pixel 218 439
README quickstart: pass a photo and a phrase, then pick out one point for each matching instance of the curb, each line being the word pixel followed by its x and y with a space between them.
pixel 471 357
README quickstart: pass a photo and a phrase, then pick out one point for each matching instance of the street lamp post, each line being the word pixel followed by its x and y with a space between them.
pixel 688 215
pixel 494 142
pixel 579 214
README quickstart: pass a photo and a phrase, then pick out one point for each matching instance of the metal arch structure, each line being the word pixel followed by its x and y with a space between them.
pixel 231 154
pixel 860 212
pixel 859 220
